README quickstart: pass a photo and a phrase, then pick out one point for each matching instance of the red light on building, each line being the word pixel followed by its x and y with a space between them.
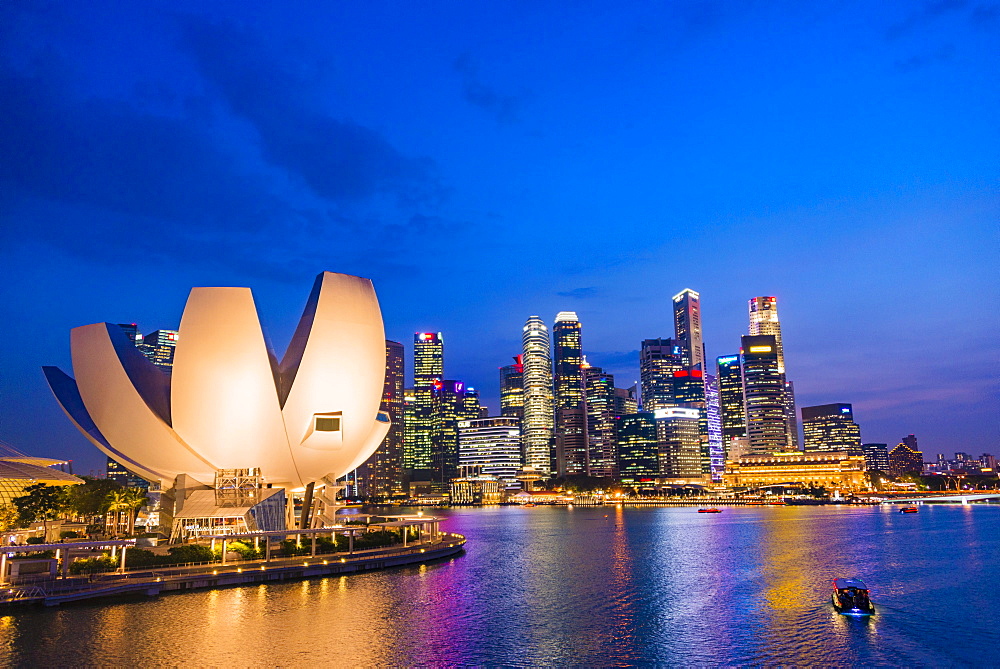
pixel 696 373
pixel 681 372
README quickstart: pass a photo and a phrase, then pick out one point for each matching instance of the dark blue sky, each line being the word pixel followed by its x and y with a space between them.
pixel 483 162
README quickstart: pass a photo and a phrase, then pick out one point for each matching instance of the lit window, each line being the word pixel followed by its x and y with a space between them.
pixel 327 424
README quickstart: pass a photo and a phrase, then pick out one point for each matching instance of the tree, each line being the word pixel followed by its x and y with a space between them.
pixel 41 502
pixel 125 502
pixel 8 517
pixel 88 499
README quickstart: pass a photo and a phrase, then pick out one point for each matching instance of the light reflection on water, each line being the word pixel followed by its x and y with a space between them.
pixel 586 586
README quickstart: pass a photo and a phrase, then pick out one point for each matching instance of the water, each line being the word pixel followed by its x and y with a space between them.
pixel 586 586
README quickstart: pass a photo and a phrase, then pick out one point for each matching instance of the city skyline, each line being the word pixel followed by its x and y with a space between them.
pixel 845 166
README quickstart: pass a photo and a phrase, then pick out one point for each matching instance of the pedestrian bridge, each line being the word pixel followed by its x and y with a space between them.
pixel 967 498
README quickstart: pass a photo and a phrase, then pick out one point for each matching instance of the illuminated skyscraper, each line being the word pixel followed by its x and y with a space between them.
pixel 764 394
pixel 638 451
pixel 678 443
pixel 512 389
pixel 687 325
pixel 689 392
pixel 131 331
pixel 876 457
pixel 764 321
pixel 428 370
pixel 905 458
pixel 451 404
pixel 599 390
pixel 537 426
pixel 713 411
pixel 626 401
pixel 658 360
pixel 412 458
pixel 159 347
pixel 381 475
pixel 734 423
pixel 491 447
pixel 567 354
pixel 831 427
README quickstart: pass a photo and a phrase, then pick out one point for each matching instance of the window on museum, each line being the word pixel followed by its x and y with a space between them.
pixel 327 423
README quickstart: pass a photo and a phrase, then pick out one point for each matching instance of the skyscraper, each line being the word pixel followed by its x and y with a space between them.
pixel 490 447
pixel 876 457
pixel 626 401
pixel 734 424
pixel 713 411
pixel 159 347
pixel 412 457
pixel 678 442
pixel 764 394
pixel 381 475
pixel 512 389
pixel 600 402
pixel 831 427
pixel 764 321
pixel 571 445
pixel 687 326
pixel 451 405
pixel 428 370
pixel 638 453
pixel 906 459
pixel 658 360
pixel 537 426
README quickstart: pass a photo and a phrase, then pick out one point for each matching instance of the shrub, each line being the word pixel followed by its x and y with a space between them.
pixel 190 553
pixel 69 534
pixel 94 565
pixel 35 540
pixel 378 539
pixel 140 557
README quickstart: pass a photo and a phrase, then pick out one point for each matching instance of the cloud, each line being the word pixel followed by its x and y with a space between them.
pixel 921 61
pixel 922 16
pixel 579 293
pixel 477 93
pixel 337 158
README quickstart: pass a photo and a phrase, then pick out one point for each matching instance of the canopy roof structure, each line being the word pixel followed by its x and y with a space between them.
pixel 18 471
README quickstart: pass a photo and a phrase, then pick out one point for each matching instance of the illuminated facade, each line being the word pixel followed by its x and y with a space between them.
pixel 658 360
pixel 477 491
pixel 159 347
pixel 732 409
pixel 599 388
pixel 764 321
pixel 764 395
pixel 713 413
pixel 18 471
pixel 123 477
pixel 512 389
pixel 833 470
pixel 381 475
pixel 687 327
pixel 678 442
pixel 311 418
pixel 638 451
pixel 538 424
pixel 410 455
pixel 904 459
pixel 876 457
pixel 453 403
pixel 572 444
pixel 491 447
pixel 831 427
pixel 428 369
pixel 567 354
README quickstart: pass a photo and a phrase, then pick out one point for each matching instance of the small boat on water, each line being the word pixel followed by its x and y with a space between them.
pixel 850 597
pixel 711 510
pixel 909 509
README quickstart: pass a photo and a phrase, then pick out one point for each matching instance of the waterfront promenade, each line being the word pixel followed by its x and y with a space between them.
pixel 153 582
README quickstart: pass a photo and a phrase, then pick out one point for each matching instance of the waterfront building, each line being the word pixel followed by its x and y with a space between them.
pixel 159 347
pixel 410 455
pixel 512 389
pixel 904 459
pixel 678 442
pixel 538 424
pixel 732 408
pixel 638 447
pixel 428 370
pixel 713 414
pixel 831 427
pixel 687 327
pixel 599 388
pixel 492 447
pixel 477 491
pixel 572 443
pixel 18 471
pixel 658 360
pixel 876 457
pixel 833 470
pixel 567 357
pixel 381 475
pixel 689 392
pixel 303 423
pixel 764 321
pixel 764 395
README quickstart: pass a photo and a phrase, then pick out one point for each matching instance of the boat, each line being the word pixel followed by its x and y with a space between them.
pixel 908 509
pixel 850 597
pixel 712 510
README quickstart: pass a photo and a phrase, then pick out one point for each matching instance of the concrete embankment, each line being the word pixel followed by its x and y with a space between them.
pixel 155 582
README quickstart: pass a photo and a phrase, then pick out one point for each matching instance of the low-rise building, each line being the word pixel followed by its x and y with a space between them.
pixel 477 491
pixel 830 469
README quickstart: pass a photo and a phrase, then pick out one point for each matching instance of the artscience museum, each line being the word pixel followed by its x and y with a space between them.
pixel 231 433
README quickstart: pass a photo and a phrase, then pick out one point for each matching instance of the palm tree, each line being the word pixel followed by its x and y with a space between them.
pixel 127 501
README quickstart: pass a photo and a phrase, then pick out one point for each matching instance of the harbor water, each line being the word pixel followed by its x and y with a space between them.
pixel 586 586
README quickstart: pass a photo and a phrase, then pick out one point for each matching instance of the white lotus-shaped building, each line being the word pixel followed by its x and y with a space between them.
pixel 229 403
